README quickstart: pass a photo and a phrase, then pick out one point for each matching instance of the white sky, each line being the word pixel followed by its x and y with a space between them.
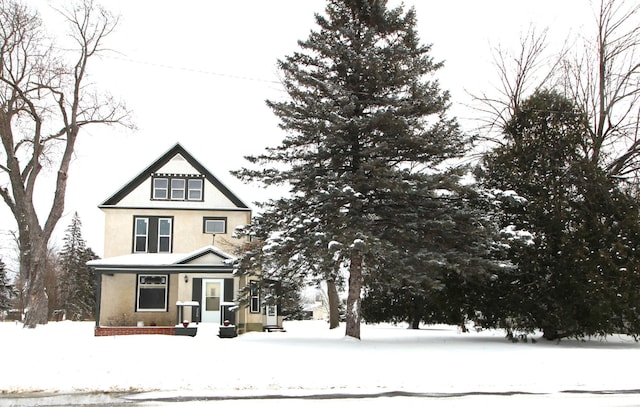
pixel 198 72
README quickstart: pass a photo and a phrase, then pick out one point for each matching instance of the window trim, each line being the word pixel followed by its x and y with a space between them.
pixel 214 218
pixel 164 285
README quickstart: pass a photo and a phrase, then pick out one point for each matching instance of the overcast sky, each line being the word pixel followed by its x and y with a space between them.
pixel 198 73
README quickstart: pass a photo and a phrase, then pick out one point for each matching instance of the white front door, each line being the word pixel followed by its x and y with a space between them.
pixel 212 295
pixel 272 314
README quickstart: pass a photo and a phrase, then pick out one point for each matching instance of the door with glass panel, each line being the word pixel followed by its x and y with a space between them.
pixel 212 295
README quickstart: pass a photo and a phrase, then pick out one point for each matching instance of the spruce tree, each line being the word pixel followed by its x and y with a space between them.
pixel 365 121
pixel 77 283
pixel 7 290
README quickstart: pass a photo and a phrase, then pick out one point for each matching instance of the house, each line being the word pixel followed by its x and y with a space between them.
pixel 168 254
pixel 316 305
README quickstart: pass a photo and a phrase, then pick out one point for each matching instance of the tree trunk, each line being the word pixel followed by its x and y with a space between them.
pixel 334 302
pixel 415 322
pixel 353 315
pixel 33 262
pixel 416 313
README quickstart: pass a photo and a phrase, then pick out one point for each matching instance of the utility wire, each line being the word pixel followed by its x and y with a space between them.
pixel 200 71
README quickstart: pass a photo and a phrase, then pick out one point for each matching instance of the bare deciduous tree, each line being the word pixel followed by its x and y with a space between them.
pixel 602 76
pixel 44 104
pixel 519 74
pixel 604 80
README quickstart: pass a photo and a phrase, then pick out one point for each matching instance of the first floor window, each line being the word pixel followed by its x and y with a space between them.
pixel 152 292
pixel 254 297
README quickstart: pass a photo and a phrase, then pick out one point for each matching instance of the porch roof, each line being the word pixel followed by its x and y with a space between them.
pixel 161 259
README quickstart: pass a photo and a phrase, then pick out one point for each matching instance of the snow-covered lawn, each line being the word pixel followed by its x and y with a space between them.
pixel 310 359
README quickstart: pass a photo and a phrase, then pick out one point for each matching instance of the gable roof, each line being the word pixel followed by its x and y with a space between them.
pixel 164 159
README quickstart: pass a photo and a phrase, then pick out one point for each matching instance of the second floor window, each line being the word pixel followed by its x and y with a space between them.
pixel 177 188
pixel 152 234
pixel 215 225
pixel 164 235
pixel 141 238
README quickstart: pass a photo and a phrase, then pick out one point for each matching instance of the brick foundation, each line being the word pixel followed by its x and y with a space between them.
pixel 134 330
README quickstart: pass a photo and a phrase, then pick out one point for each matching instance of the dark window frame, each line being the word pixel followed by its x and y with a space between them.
pixel 186 192
pixel 153 239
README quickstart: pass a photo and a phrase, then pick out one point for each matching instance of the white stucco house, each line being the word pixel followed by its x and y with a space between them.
pixel 168 254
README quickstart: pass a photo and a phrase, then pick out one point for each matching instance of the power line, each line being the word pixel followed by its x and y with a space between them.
pixel 200 71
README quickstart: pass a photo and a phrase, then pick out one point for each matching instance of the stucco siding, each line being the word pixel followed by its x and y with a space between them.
pixel 119 308
pixel 188 234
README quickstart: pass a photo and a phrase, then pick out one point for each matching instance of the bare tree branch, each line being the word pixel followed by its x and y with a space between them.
pixel 37 87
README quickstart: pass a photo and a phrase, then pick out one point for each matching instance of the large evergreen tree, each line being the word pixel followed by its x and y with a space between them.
pixel 365 121
pixel 77 282
pixel 579 275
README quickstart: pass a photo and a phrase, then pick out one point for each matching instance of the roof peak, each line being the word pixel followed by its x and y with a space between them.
pixel 161 161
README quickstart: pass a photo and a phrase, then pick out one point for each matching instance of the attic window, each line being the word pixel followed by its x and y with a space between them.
pixel 160 188
pixel 194 190
pixel 176 187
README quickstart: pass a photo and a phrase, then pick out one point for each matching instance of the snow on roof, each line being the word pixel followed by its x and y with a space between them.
pixel 140 259
pixel 159 259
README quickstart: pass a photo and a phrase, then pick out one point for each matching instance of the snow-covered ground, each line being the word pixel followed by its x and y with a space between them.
pixel 436 362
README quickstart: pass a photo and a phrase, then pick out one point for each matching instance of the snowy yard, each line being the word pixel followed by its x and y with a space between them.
pixel 309 359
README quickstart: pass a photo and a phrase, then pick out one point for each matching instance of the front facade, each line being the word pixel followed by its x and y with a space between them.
pixel 169 251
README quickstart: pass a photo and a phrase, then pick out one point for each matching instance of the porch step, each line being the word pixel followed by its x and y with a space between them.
pixel 273 328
